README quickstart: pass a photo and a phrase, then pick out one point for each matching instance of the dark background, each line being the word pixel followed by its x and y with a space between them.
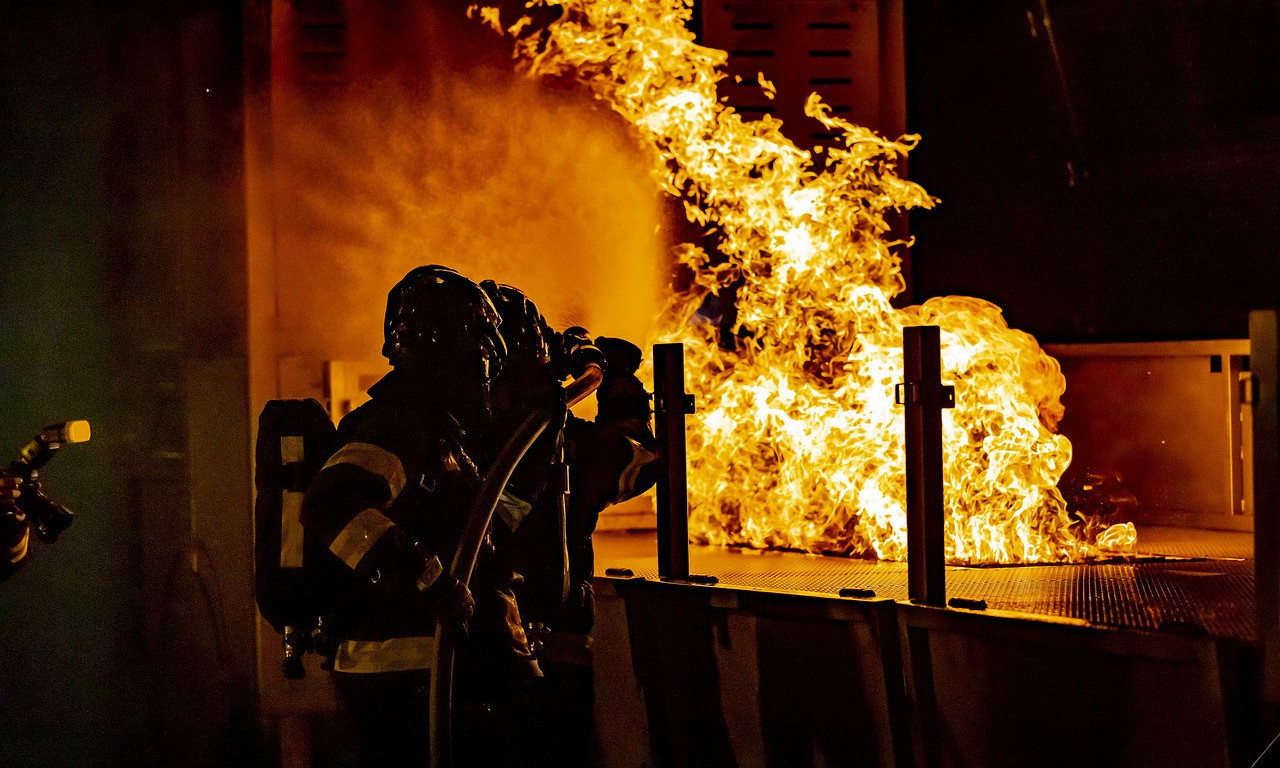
pixel 121 284
pixel 1164 225
pixel 122 281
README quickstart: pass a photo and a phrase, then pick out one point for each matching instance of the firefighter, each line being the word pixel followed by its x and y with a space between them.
pixel 24 506
pixel 391 503
pixel 610 459
pixel 15 531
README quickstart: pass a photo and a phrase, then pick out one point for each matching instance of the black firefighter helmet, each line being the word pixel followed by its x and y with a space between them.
pixel 523 327
pixel 440 323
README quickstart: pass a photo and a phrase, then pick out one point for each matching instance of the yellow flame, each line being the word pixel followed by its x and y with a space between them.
pixel 797 442
pixel 1120 538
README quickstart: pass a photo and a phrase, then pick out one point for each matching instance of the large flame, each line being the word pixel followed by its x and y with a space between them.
pixel 797 442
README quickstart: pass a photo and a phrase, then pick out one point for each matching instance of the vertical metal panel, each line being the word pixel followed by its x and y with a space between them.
pixel 741 678
pixel 801 46
pixel 621 735
pixel 922 699
pixel 923 396
pixel 1266 492
pixel 1165 417
pixel 1001 692
pixel 851 52
pixel 1240 424
pixel 673 492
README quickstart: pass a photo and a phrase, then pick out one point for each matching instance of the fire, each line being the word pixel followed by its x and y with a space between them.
pixel 797 442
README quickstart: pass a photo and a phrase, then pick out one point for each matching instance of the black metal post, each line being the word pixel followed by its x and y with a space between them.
pixel 671 403
pixel 924 396
pixel 1263 394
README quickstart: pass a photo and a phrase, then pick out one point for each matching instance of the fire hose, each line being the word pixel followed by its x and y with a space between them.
pixel 478 519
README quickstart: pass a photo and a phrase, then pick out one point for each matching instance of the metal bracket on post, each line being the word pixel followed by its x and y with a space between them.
pixel 924 396
pixel 671 403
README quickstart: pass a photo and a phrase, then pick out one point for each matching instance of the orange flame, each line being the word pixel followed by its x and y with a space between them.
pixel 797 442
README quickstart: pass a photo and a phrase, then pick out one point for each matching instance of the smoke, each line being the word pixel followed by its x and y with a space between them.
pixel 492 174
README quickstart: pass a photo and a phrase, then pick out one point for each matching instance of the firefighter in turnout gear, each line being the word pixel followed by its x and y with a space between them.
pixel 610 459
pixel 391 503
pixel 25 508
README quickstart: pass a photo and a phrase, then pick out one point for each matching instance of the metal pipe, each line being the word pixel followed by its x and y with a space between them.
pixel 924 396
pixel 671 404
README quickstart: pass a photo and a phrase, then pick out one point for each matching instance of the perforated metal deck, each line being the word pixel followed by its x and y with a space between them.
pixel 1212 592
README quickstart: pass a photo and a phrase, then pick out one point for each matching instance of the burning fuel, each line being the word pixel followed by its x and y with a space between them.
pixel 798 443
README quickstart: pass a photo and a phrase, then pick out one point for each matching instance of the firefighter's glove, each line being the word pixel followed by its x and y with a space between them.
pixel 447 600
pixel 622 356
pixel 575 351
pixel 621 395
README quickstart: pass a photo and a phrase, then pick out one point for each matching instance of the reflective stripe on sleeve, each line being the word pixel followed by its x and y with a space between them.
pixel 399 654
pixel 640 458
pixel 512 509
pixel 374 459
pixel 355 540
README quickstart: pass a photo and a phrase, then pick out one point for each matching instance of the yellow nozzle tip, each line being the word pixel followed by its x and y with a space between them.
pixel 77 431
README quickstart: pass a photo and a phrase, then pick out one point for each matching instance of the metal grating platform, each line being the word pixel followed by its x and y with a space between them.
pixel 1212 593
pixel 1189 542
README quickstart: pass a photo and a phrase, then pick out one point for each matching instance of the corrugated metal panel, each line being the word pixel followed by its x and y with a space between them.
pixel 802 46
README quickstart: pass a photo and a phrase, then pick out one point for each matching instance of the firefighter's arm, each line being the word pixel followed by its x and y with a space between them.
pixel 623 419
pixel 345 506
pixel 621 396
pixel 15 533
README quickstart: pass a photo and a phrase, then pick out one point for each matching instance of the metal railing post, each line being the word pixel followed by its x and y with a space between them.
pixel 671 404
pixel 924 396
